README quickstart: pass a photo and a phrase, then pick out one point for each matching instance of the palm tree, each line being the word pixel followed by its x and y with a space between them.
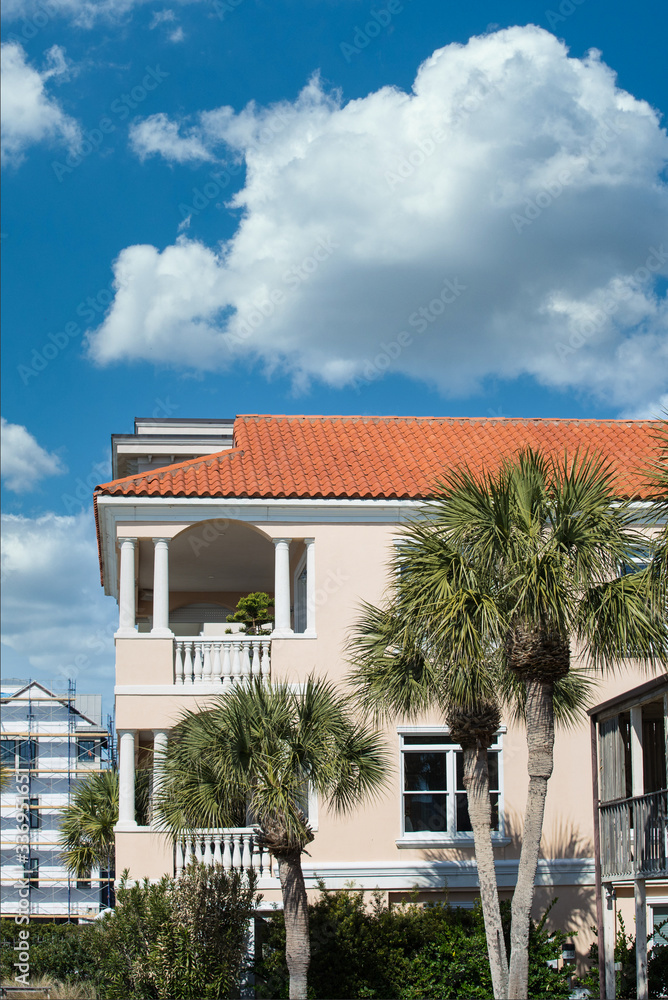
pixel 87 827
pixel 550 538
pixel 658 486
pixel 403 666
pixel 257 752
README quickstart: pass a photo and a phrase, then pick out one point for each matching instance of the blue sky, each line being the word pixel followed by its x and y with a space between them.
pixel 323 206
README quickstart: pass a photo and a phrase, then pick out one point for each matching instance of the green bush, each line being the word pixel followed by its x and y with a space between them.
pixel 178 939
pixel 59 951
pixel 404 952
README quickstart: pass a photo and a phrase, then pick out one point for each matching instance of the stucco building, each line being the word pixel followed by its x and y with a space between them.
pixel 309 509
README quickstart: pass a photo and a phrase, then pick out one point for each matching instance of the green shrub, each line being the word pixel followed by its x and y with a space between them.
pixel 59 951
pixel 179 938
pixel 405 952
pixel 625 956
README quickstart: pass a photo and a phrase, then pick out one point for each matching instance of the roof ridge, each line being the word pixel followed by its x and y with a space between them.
pixel 373 417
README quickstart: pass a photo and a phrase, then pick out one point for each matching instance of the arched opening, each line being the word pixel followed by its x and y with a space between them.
pixel 212 564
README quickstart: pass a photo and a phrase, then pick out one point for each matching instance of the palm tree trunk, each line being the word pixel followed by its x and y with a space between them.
pixel 540 742
pixel 295 913
pixel 476 782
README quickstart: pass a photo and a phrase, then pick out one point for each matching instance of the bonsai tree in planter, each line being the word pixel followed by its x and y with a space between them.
pixel 254 611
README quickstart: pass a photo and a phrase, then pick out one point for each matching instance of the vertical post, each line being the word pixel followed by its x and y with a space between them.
pixel 310 586
pixel 637 779
pixel 126 589
pixel 593 733
pixel 160 737
pixel 161 588
pixel 609 931
pixel 641 938
pixel 282 587
pixel 126 780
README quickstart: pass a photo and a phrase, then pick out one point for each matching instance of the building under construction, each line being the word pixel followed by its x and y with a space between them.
pixel 48 742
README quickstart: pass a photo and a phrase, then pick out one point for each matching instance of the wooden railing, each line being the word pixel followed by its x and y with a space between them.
pixel 221 661
pixel 231 847
pixel 634 835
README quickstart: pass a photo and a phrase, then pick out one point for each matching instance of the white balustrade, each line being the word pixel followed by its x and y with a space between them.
pixel 233 847
pixel 221 662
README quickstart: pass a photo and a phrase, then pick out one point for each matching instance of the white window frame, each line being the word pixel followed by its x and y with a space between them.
pixel 451 836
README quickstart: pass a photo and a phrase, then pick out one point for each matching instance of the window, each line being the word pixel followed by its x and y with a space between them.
pixel 87 751
pixel 27 754
pixel 434 802
pixel 33 816
pixel 31 871
pixel 84 881
pixel 638 561
pixel 8 753
pixel 659 925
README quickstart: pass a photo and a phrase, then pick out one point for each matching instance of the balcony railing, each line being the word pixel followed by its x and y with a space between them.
pixel 634 836
pixel 222 661
pixel 232 847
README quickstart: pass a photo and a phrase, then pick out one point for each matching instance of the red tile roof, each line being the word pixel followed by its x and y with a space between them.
pixel 381 457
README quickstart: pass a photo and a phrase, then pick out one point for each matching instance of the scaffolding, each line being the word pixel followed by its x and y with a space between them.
pixel 48 745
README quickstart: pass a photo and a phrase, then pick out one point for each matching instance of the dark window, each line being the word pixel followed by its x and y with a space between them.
pixel 27 754
pixel 425 772
pixel 87 750
pixel 8 752
pixel 84 882
pixel 31 871
pixel 34 813
pixel 463 819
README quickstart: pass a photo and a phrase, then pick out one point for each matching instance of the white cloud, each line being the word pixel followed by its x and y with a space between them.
pixel 29 114
pixel 23 461
pixel 83 13
pixel 521 176
pixel 56 622
pixel 158 135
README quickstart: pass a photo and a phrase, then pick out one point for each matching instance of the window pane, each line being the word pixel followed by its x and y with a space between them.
pixel 425 813
pixel 27 753
pixel 463 820
pixel 34 814
pixel 7 750
pixel 86 750
pixel 494 800
pixel 493 759
pixel 424 772
pixel 425 739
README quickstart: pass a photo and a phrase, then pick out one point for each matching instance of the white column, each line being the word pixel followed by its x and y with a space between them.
pixel 161 588
pixel 126 589
pixel 310 586
pixel 282 588
pixel 159 750
pixel 126 780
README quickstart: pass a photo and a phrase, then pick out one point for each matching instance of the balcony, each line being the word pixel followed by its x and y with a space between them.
pixel 224 660
pixel 232 847
pixel 634 836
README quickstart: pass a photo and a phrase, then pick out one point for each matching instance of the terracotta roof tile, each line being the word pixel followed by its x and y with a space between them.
pixel 380 457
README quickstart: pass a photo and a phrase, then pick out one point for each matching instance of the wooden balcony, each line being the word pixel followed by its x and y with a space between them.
pixel 634 836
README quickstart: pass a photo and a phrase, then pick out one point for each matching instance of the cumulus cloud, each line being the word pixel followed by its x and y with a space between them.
pixel 56 622
pixel 504 218
pixel 29 114
pixel 23 462
pixel 157 135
